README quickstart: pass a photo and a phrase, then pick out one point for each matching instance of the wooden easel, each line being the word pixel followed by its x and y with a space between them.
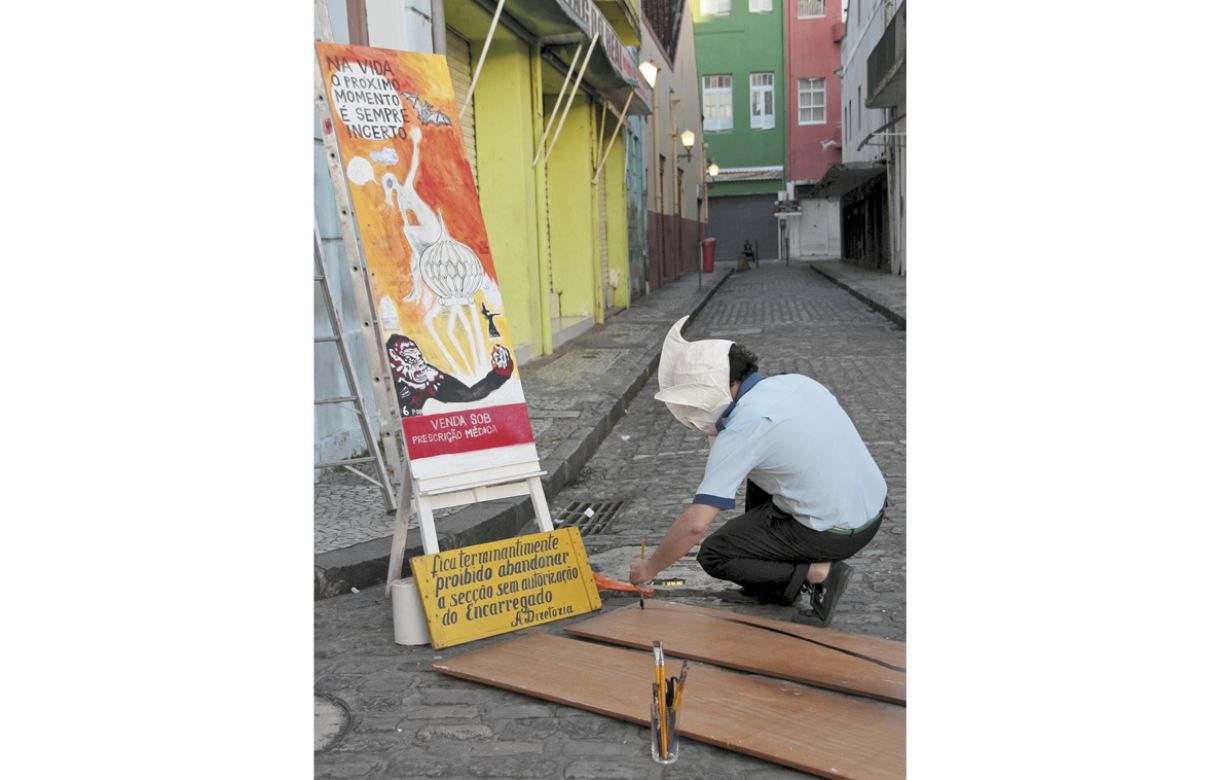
pixel 428 495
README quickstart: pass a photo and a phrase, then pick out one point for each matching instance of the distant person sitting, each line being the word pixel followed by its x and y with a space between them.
pixel 746 257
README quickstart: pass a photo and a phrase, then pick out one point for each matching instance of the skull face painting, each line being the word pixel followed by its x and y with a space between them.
pixel 415 380
pixel 407 362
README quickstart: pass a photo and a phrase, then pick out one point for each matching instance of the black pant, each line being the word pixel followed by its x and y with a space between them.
pixel 768 552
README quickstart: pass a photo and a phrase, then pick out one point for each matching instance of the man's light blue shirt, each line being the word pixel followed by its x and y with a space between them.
pixel 789 436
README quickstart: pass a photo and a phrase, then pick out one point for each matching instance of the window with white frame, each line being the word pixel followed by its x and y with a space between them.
pixel 716 7
pixel 717 102
pixel 811 101
pixel 810 9
pixel 762 101
pixel 760 6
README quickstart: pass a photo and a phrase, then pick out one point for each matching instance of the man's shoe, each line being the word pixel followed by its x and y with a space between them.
pixel 824 596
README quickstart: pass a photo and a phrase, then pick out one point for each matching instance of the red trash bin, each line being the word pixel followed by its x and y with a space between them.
pixel 709 254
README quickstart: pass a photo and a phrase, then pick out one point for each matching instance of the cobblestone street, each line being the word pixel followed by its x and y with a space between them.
pixel 408 721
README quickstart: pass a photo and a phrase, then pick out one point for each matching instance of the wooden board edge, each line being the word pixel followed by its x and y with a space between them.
pixel 440 667
pixel 720 663
pixel 841 640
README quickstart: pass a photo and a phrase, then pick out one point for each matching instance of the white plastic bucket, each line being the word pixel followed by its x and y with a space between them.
pixel 410 625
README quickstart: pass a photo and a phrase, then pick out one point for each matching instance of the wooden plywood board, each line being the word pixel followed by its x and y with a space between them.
pixel 885 650
pixel 816 731
pixel 786 650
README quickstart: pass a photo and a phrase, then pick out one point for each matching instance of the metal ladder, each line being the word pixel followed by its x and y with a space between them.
pixel 370 438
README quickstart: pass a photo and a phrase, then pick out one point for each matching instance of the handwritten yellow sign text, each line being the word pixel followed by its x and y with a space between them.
pixel 489 589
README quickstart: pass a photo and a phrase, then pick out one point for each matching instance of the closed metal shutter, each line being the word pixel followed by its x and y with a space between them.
pixel 458 56
pixel 734 220
pixel 604 236
pixel 550 243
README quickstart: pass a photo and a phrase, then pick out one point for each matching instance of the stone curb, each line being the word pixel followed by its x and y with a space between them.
pixel 363 565
pixel 881 308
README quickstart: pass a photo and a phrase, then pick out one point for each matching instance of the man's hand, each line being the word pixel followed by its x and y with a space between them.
pixel 641 572
pixel 685 532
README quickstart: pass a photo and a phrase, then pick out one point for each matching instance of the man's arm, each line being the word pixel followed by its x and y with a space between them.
pixel 684 534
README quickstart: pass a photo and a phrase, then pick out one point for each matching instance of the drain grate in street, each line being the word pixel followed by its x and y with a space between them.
pixel 591 517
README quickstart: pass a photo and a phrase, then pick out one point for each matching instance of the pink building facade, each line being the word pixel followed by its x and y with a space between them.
pixel 813 30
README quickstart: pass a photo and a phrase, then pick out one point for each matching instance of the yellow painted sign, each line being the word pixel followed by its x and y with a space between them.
pixel 494 588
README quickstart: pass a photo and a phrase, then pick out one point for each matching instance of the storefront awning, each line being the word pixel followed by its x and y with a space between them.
pixel 548 20
pixel 756 173
pixel 599 78
pixel 562 25
pixel 842 178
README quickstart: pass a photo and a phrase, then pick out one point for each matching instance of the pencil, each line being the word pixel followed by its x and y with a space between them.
pixel 641 558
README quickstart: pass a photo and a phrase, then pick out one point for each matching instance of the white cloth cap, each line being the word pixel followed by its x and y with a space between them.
pixel 694 379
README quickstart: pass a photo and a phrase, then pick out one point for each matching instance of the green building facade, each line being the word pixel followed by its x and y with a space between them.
pixel 739 45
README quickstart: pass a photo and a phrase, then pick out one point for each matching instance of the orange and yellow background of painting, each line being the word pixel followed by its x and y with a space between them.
pixel 444 182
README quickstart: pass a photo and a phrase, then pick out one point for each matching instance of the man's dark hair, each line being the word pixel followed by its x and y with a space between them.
pixel 742 363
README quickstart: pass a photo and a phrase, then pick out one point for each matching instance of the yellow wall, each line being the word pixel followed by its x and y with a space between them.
pixel 616 219
pixel 545 343
pixel 505 142
pixel 510 113
pixel 569 173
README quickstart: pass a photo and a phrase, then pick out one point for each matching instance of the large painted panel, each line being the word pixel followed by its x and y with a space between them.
pixel 448 342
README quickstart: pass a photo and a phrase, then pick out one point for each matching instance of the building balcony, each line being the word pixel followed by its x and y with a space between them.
pixel 887 64
pixel 624 18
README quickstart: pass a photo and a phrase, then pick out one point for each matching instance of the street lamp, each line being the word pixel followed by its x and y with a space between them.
pixel 648 69
pixel 713 170
pixel 688 143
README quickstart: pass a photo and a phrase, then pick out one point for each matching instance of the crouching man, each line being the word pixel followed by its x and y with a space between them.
pixel 814 494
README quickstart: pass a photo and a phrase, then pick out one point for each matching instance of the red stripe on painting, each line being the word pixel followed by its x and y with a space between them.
pixel 474 429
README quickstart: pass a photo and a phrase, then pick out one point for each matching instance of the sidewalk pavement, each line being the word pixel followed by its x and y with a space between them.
pixel 575 396
pixel 885 292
